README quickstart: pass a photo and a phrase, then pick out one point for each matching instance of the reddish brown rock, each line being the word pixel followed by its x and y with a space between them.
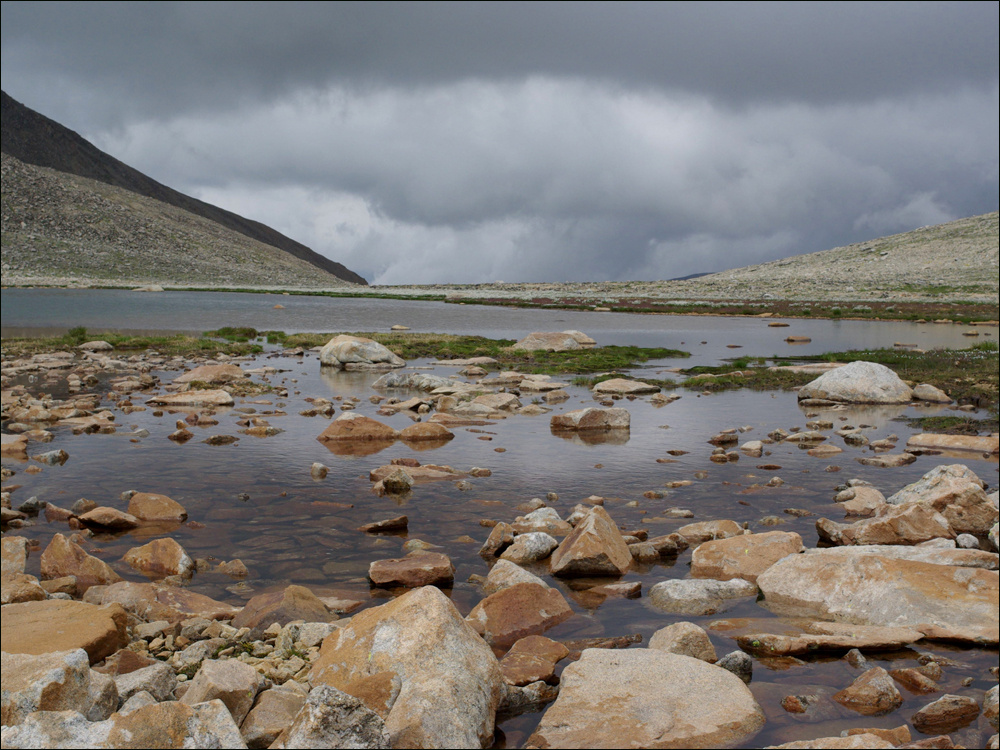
pixel 60 625
pixel 417 569
pixel 871 694
pixel 352 427
pixel 282 607
pixel 109 518
pixel 891 524
pixel 745 556
pixel 684 638
pixel 160 558
pixel 595 548
pixel 63 557
pixel 915 681
pixel 518 611
pixel 946 714
pixel 148 506
pixel 399 523
pixel 956 493
pixel 426 431
pixel 532 659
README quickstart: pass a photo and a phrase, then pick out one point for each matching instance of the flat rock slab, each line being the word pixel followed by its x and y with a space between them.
pixel 939 600
pixel 212 374
pixel 647 698
pixel 971 443
pixel 554 341
pixel 830 636
pixel 745 556
pixel 625 387
pixel 965 558
pixel 42 627
pixel 194 398
pixel 414 570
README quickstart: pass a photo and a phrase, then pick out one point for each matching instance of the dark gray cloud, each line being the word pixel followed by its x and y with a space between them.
pixel 470 142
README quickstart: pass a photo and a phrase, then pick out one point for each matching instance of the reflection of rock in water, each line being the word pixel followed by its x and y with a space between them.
pixel 347 382
pixel 357 447
pixel 876 414
pixel 594 437
pixel 426 445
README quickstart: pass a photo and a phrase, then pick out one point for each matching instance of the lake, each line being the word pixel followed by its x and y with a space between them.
pixel 256 500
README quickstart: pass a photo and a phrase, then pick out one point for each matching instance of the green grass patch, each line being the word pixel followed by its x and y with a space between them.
pixel 949 425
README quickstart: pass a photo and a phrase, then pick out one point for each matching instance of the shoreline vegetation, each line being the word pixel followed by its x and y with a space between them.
pixel 970 375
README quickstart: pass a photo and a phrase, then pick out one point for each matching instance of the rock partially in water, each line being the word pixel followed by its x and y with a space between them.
pixel 624 387
pixel 647 698
pixel 595 548
pixel 518 611
pixel 282 607
pixel 160 558
pixel 699 597
pixel 858 383
pixel 745 556
pixel 946 714
pixel 356 353
pixel 955 492
pixel 939 600
pixel 417 569
pixel 149 506
pixel 684 638
pixel 911 524
pixel 591 418
pixel 871 694
pixel 64 557
pixel 214 374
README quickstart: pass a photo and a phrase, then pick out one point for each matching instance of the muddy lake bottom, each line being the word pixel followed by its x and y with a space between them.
pixel 255 500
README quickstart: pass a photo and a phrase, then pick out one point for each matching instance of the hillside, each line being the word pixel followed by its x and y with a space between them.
pixel 61 229
pixel 35 139
pixel 956 261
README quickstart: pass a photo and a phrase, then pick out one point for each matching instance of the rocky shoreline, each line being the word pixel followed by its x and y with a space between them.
pixel 92 660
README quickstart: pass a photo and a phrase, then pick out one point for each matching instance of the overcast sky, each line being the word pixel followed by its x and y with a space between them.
pixel 427 142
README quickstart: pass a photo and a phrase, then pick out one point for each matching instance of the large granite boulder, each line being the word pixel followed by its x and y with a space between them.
pixel 355 353
pixel 64 557
pixel 942 601
pixel 58 681
pixel 417 663
pixel 647 698
pixel 332 718
pixel 858 383
pixel 956 493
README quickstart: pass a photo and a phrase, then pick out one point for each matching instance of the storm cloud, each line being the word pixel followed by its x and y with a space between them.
pixel 420 143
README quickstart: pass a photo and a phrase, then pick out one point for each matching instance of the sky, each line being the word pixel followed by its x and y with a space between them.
pixel 470 143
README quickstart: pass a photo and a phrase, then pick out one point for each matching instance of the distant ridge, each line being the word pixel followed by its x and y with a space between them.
pixel 35 139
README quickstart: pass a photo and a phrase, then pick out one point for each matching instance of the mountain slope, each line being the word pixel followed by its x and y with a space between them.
pixel 58 228
pixel 35 139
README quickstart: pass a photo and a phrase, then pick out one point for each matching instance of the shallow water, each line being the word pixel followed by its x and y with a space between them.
pixel 255 500
pixel 293 529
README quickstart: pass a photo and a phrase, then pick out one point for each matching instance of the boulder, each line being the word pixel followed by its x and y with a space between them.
pixel 15 585
pixel 157 680
pixel 355 353
pixel 745 556
pixel 595 548
pixel 501 536
pixel 442 682
pixel 149 506
pixel 647 698
pixel 14 446
pixel 891 524
pixel 939 600
pixel 352 427
pixel 532 659
pixel 420 568
pixel 590 419
pixel 684 638
pixel 518 611
pixel 333 718
pixel 194 398
pixel 871 694
pixel 64 557
pixel 59 625
pixel 160 558
pixel 103 517
pixel 966 558
pixel 946 714
pixel 273 712
pixel 554 342
pixel 282 607
pixel 215 374
pixel 95 346
pixel 419 381
pixel 530 547
pixel 703 531
pixel 698 597
pixel 497 401
pixel 955 492
pixel 229 680
pixel 57 681
pixel 505 574
pixel 858 383
pixel 928 392
pixel 624 387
